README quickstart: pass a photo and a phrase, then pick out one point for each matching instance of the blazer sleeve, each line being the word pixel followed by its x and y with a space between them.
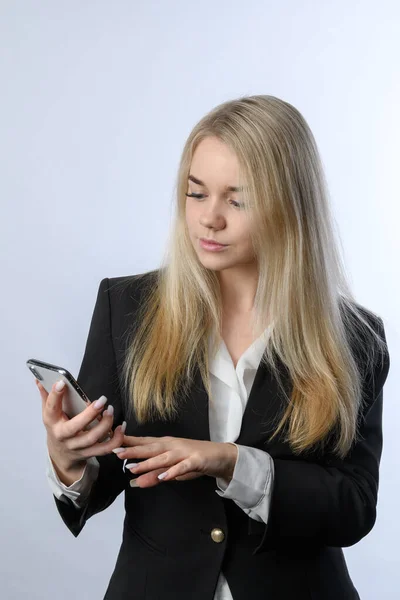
pixel 97 376
pixel 333 503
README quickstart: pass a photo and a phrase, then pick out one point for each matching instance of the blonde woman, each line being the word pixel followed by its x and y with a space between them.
pixel 243 383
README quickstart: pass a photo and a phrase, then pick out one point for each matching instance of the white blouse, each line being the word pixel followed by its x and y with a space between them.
pixel 251 485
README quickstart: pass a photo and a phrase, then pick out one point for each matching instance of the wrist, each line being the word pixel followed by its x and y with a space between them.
pixel 231 451
pixel 68 467
pixel 69 473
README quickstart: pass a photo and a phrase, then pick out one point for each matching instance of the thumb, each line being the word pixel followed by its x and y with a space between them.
pixel 43 393
pixel 53 402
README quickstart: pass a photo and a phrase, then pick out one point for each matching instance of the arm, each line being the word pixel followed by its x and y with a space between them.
pixel 251 484
pixel 97 376
pixel 334 503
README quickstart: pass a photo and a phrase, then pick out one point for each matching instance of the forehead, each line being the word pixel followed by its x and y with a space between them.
pixel 214 165
pixel 229 188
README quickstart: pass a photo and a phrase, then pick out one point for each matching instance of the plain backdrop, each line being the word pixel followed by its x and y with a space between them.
pixel 97 99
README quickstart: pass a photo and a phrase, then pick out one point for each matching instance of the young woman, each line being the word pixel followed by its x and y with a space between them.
pixel 244 384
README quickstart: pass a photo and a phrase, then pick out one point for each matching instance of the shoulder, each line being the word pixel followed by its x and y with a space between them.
pixel 370 347
pixel 118 302
pixel 350 316
pixel 123 296
pixel 131 286
pixel 364 328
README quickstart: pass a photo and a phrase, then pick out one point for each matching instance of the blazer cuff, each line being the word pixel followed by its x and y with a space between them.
pixel 251 478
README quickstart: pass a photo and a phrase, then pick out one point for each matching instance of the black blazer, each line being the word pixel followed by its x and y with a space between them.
pixel 319 503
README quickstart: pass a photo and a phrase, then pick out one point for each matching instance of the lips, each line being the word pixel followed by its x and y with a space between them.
pixel 211 242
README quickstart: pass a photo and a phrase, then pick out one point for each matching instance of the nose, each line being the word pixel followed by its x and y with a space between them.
pixel 212 217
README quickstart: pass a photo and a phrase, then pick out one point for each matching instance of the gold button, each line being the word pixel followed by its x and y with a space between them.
pixel 217 535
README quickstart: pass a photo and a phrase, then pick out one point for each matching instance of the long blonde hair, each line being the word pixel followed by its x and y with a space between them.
pixel 301 285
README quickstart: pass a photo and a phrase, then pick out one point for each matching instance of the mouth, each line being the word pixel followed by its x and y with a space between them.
pixel 209 242
pixel 212 246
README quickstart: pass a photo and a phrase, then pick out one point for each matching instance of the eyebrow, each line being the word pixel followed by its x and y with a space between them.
pixel 230 188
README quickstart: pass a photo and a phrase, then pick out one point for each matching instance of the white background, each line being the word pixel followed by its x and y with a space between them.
pixel 97 99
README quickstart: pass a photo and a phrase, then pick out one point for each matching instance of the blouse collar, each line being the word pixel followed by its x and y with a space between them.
pixel 221 365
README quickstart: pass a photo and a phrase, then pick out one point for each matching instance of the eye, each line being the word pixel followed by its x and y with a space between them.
pixel 201 196
pixel 238 204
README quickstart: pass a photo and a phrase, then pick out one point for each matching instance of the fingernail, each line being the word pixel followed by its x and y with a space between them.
pixel 123 427
pixel 133 483
pixel 131 465
pixel 162 475
pixel 100 402
pixel 59 385
pixel 119 450
pixel 109 410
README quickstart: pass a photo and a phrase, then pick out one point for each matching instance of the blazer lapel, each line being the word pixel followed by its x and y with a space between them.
pixel 264 407
pixel 262 412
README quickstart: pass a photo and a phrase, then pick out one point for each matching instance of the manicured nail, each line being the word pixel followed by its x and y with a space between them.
pixel 131 465
pixel 59 385
pixel 123 427
pixel 100 402
pixel 162 475
pixel 109 410
pixel 119 450
pixel 134 483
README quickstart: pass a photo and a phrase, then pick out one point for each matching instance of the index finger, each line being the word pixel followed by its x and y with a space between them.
pixel 133 440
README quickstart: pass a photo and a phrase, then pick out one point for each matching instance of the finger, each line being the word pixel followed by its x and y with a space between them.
pixel 151 479
pixel 133 440
pixel 83 438
pixel 147 479
pixel 182 468
pixel 103 448
pixel 158 462
pixel 191 475
pixel 53 405
pixel 80 421
pixel 43 394
pixel 146 451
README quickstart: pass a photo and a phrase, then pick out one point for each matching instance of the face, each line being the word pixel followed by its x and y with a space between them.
pixel 216 212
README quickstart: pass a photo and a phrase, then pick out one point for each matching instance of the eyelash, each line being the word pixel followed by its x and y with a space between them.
pixel 199 196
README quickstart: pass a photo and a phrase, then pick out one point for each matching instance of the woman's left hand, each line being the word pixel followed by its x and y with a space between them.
pixel 178 458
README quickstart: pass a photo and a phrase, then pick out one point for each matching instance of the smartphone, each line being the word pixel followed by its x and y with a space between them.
pixel 74 398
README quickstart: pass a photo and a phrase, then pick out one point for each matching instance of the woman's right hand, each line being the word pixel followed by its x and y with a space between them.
pixel 69 445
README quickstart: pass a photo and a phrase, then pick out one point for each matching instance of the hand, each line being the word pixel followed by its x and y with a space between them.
pixel 178 458
pixel 69 445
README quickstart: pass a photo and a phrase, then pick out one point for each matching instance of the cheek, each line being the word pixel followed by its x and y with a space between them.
pixel 187 213
pixel 190 218
pixel 243 235
pixel 246 245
